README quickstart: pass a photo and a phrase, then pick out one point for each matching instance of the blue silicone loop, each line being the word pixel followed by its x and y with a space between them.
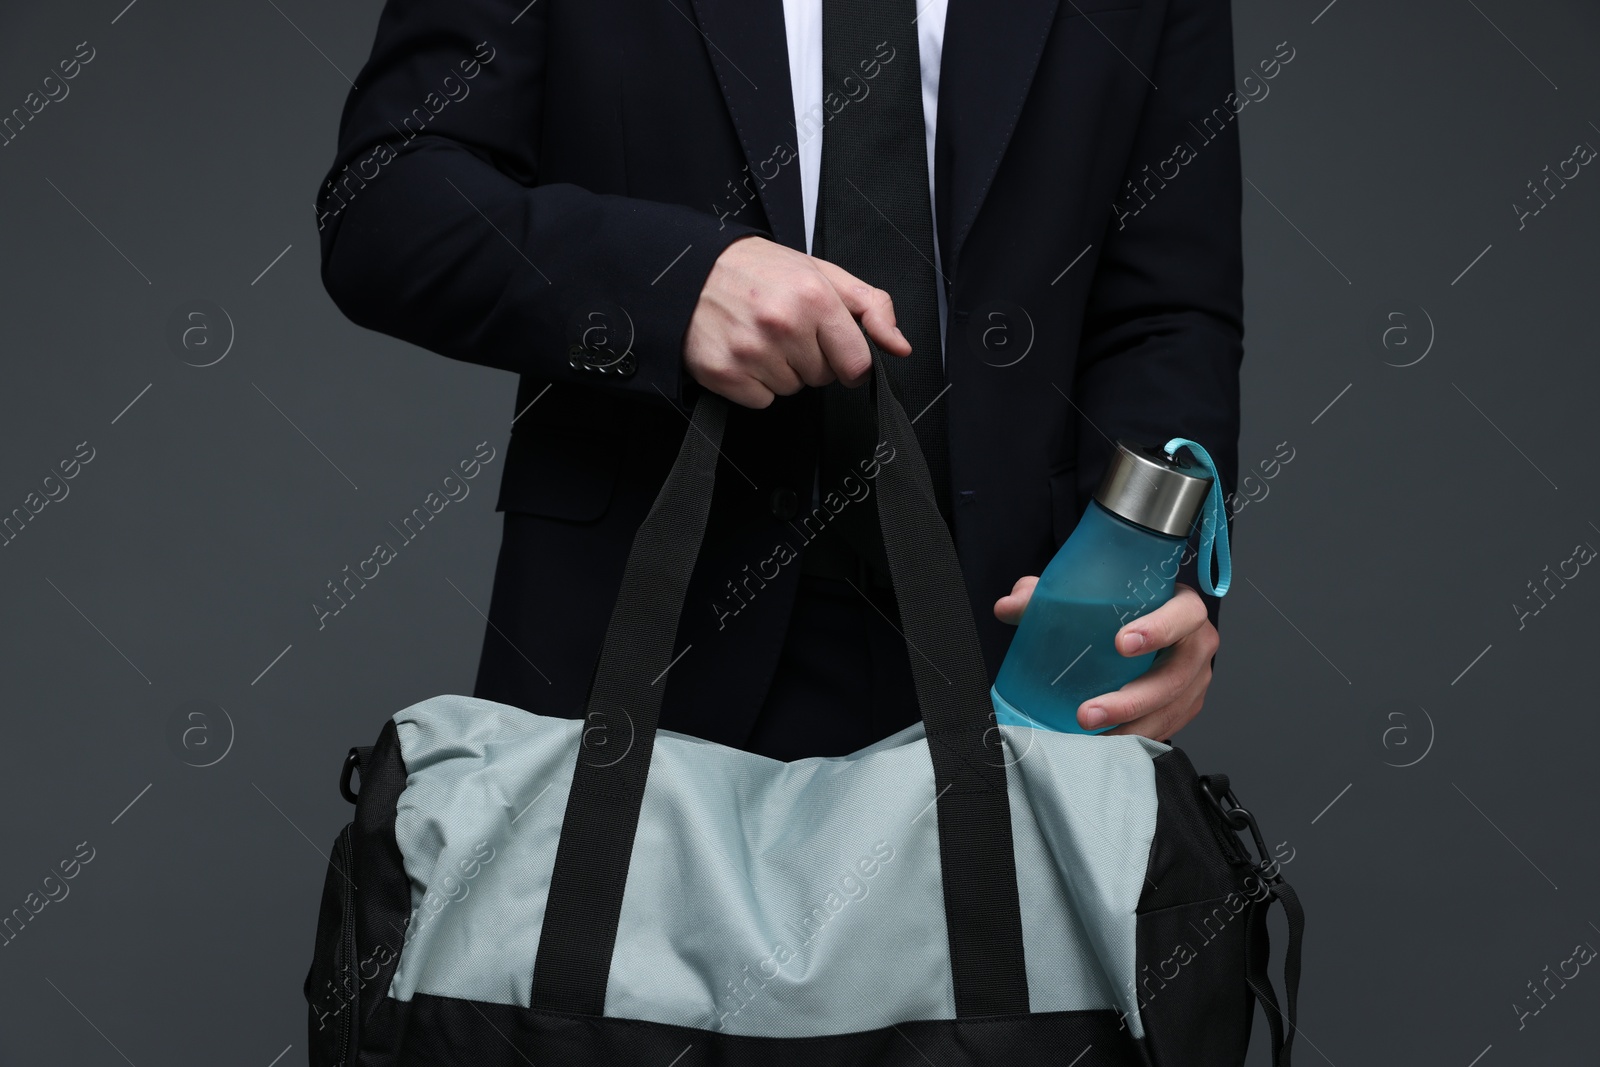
pixel 1214 524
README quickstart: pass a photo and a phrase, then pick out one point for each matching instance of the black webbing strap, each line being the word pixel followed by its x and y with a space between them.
pixel 983 915
pixel 584 903
pixel 1257 952
pixel 982 910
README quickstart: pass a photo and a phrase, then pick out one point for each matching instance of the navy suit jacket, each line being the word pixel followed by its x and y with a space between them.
pixel 544 187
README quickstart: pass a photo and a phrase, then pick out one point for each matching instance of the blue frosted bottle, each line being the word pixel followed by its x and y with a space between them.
pixel 1118 564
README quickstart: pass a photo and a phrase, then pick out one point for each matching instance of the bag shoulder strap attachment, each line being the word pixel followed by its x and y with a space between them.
pixel 1257 947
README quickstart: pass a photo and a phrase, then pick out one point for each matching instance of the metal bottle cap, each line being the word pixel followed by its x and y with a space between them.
pixel 1159 492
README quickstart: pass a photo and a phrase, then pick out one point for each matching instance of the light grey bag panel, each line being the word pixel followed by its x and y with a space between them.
pixel 765 898
pixel 1083 813
pixel 480 776
pixel 784 899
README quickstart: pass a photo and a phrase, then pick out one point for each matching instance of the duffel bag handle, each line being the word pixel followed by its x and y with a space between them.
pixel 982 909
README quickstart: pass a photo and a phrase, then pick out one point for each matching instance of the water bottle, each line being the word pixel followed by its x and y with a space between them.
pixel 1119 563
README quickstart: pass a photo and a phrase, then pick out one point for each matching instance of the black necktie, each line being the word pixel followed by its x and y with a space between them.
pixel 874 219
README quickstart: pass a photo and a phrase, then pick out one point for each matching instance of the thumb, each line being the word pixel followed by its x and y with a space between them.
pixel 870 305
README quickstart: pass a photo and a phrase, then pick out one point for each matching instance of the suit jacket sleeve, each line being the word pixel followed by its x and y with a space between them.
pixel 434 227
pixel 1163 332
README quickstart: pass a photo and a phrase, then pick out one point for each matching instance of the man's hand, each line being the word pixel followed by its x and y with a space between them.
pixel 771 319
pixel 1163 700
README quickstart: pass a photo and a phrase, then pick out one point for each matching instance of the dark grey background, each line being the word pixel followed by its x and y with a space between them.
pixel 1371 622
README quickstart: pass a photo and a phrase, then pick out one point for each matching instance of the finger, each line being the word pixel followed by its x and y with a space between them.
pixel 842 351
pixel 792 331
pixel 1167 625
pixel 730 381
pixel 726 375
pixel 1165 681
pixel 782 376
pixel 842 347
pixel 1009 608
pixel 750 393
pixel 1162 723
pixel 871 305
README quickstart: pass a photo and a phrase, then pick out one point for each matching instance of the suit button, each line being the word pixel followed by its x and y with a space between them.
pixel 602 361
pixel 783 504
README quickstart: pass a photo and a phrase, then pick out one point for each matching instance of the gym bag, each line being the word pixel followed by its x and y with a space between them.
pixel 518 888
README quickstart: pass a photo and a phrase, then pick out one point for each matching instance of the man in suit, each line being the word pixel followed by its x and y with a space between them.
pixel 618 201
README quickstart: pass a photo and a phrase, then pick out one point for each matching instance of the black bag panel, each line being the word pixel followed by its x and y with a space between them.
pixel 1196 1007
pixel 331 985
pixel 1195 1010
pixel 1194 855
pixel 1202 895
pixel 430 1031
pixel 382 893
pixel 366 902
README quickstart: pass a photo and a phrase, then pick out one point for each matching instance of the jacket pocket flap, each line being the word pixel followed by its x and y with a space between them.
pixel 561 472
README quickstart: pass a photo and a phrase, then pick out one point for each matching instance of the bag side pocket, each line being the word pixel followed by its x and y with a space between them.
pixel 1199 898
pixel 332 984
pixel 1193 999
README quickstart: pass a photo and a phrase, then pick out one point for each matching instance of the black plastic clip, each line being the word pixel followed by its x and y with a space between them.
pixel 351 763
pixel 1220 793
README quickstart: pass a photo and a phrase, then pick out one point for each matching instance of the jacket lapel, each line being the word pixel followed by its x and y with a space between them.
pixel 988 64
pixel 746 42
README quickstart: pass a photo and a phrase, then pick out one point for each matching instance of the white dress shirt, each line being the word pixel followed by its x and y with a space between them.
pixel 802 20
